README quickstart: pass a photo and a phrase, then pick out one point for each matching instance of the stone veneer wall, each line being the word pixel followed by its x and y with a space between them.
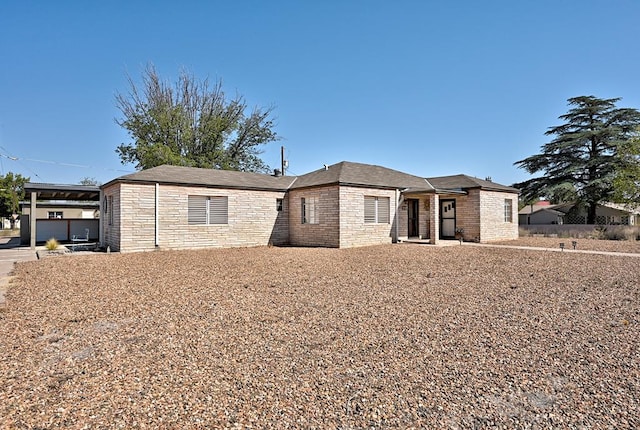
pixel 111 227
pixel 467 214
pixel 340 218
pixel 494 226
pixel 481 214
pixel 353 230
pixel 252 219
pixel 327 231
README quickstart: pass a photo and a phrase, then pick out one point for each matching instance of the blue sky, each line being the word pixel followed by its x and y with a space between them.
pixel 429 88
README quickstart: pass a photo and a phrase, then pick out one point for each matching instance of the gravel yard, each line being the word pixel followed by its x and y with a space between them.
pixel 384 336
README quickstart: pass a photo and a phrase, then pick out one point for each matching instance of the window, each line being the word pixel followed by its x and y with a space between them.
pixel 204 210
pixel 376 210
pixel 54 215
pixel 309 207
pixel 110 210
pixel 508 210
pixel 279 203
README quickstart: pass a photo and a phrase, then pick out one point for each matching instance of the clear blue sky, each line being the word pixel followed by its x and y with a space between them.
pixel 429 88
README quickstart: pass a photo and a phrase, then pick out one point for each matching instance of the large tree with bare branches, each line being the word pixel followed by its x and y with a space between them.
pixel 191 123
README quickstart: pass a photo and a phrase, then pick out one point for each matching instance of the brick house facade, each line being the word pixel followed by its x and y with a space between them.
pixel 343 205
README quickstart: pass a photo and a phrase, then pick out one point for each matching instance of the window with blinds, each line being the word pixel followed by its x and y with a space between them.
pixel 309 210
pixel 508 210
pixel 376 210
pixel 208 210
pixel 110 210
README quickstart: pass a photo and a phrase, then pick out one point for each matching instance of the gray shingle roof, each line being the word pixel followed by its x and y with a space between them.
pixel 348 173
pixel 343 173
pixel 180 175
pixel 464 182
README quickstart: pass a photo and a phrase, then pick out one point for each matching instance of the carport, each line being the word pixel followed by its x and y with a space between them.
pixel 40 193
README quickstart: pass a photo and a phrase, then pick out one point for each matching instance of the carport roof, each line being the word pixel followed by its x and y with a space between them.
pixel 62 192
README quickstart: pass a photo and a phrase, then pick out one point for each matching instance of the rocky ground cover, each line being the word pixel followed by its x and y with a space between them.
pixel 396 336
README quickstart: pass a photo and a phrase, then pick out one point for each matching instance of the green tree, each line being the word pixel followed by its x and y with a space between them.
pixel 191 123
pixel 584 153
pixel 11 192
pixel 627 179
pixel 562 193
pixel 88 181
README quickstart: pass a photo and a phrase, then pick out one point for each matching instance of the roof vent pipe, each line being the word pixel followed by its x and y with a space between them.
pixel 276 172
pixel 326 167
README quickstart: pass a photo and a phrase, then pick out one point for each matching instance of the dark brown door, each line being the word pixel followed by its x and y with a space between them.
pixel 413 206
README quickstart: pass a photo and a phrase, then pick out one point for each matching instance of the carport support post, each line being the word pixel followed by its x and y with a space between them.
pixel 101 220
pixel 434 217
pixel 32 220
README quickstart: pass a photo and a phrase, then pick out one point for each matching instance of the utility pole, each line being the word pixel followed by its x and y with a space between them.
pixel 283 163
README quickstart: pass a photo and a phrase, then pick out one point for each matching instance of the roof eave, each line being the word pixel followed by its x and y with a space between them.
pixel 194 184
pixel 451 191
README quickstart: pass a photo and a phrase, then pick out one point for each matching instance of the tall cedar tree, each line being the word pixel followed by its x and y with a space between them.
pixel 584 153
pixel 191 124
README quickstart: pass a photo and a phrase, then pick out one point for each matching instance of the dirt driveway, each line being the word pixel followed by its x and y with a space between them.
pixel 11 252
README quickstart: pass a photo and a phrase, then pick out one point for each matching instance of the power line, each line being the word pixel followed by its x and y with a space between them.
pixel 57 163
pixel 16 160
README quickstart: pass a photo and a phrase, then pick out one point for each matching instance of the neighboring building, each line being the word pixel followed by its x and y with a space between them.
pixel 61 212
pixel 63 209
pixel 543 212
pixel 540 213
pixel 343 205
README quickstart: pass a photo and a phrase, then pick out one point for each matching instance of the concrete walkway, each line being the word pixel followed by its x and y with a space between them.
pixel 531 248
pixel 569 250
pixel 10 253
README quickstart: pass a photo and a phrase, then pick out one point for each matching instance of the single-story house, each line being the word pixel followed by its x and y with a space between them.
pixel 343 205
pixel 543 212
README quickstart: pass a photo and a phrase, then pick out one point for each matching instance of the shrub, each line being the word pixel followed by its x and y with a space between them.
pixel 52 244
pixel 621 233
pixel 599 232
pixel 583 231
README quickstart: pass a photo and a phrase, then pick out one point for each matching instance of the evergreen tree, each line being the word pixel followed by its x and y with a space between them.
pixel 585 153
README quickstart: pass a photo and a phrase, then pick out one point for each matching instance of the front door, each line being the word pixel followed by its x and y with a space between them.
pixel 413 206
pixel 447 219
